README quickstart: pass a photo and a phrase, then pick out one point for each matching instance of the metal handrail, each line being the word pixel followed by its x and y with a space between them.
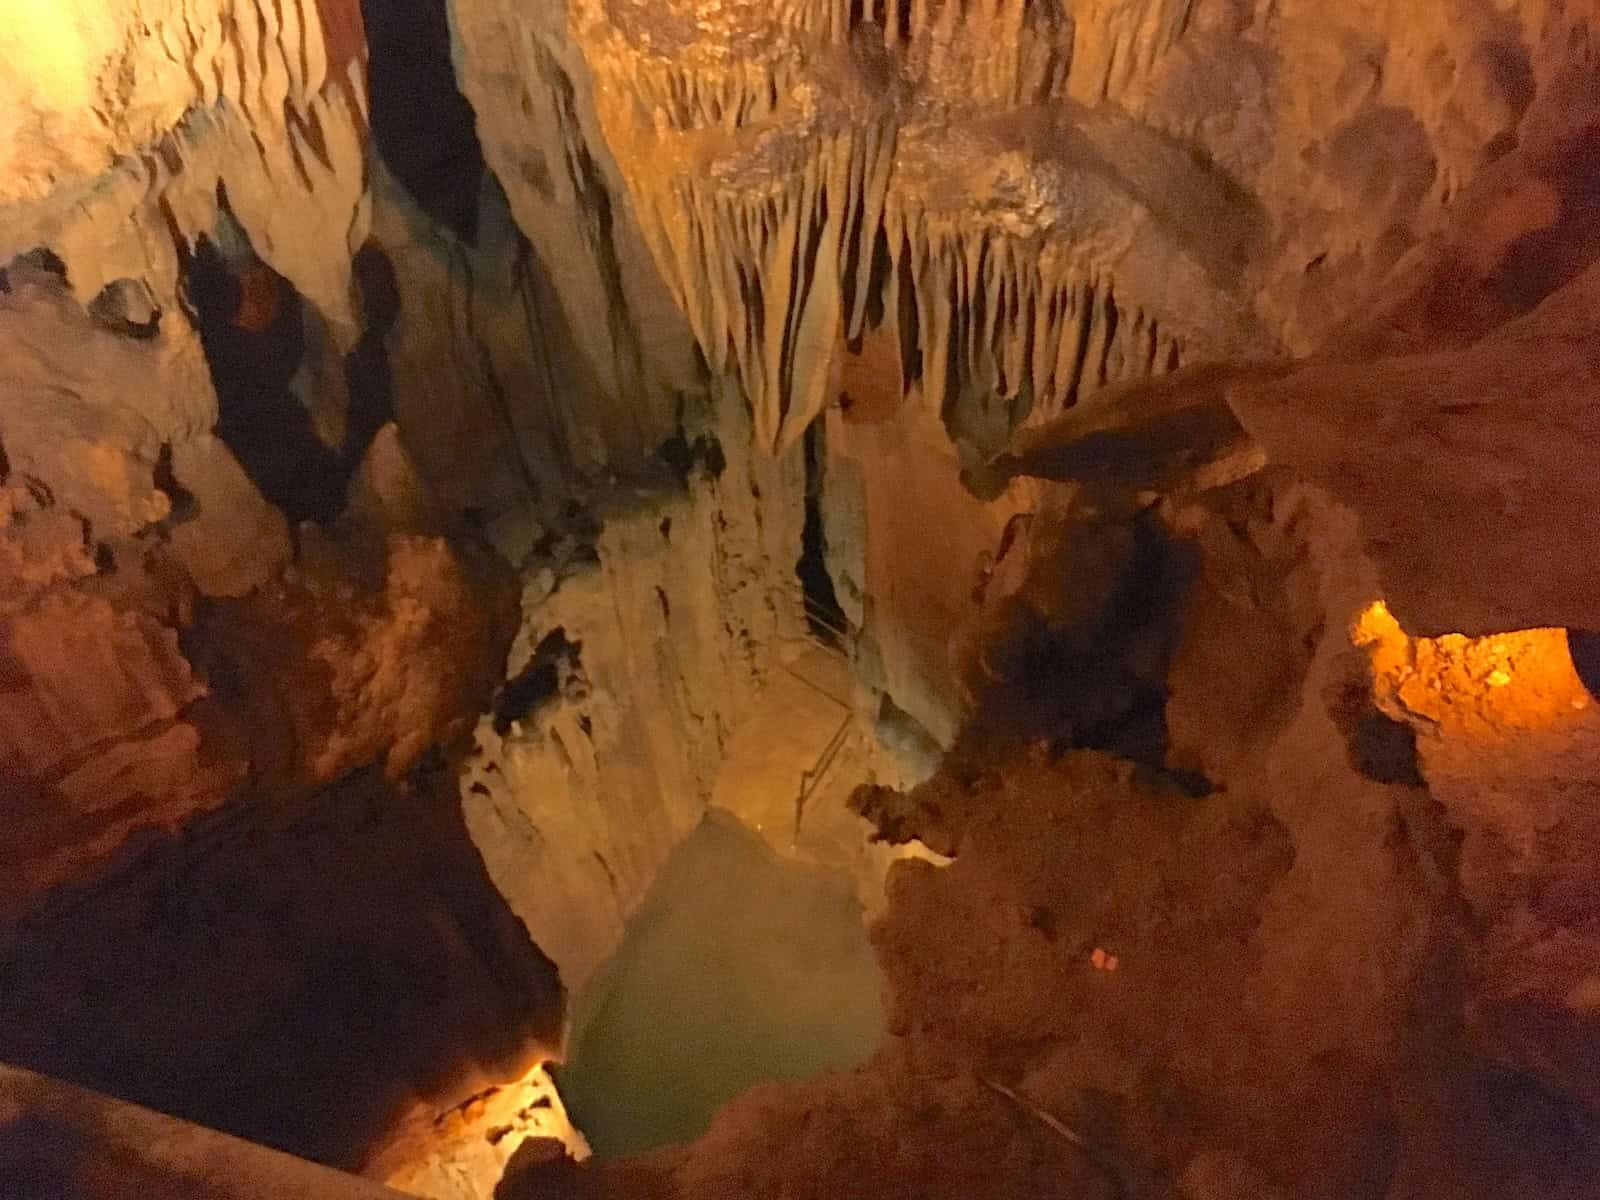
pixel 844 632
pixel 844 635
pixel 811 778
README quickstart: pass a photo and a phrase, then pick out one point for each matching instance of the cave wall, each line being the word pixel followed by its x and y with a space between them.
pixel 285 433
pixel 570 360
pixel 623 343
pixel 125 120
pixel 227 891
pixel 1105 193
pixel 323 975
pixel 697 231
pixel 675 600
pixel 145 583
pixel 1102 192
pixel 1331 935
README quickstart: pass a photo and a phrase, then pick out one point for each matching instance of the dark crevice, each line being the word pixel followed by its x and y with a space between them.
pixel 825 617
pixel 1376 745
pixel 41 259
pixel 1113 319
pixel 910 330
pixel 554 671
pixel 258 335
pixel 1086 318
pixel 367 368
pixel 878 287
pixel 424 127
pixel 1095 685
pixel 252 324
pixel 685 457
pixel 124 306
pixel 1385 750
pixel 181 504
pixel 1584 647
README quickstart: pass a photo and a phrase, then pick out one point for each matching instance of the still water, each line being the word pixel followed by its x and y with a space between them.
pixel 740 967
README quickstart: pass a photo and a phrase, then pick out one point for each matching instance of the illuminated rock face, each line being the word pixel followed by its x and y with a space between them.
pixel 1040 198
pixel 1031 275
pixel 136 546
pixel 123 120
pixel 1508 735
pixel 621 351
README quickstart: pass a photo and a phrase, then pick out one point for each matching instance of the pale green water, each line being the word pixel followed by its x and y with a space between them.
pixel 740 967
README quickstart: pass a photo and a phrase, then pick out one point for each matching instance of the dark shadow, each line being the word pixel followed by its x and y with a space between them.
pixel 125 307
pixel 825 616
pixel 1377 746
pixel 685 457
pixel 39 260
pixel 1098 685
pixel 301 975
pixel 39 1158
pixel 1584 647
pixel 252 326
pixel 424 127
pixel 367 367
pixel 1545 260
pixel 255 329
pixel 553 670
pixel 1385 750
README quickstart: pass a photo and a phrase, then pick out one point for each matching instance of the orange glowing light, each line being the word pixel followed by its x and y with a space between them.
pixel 1484 687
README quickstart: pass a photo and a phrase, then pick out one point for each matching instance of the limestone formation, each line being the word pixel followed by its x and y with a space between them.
pixel 579 788
pixel 1095 194
pixel 429 428
pixel 124 121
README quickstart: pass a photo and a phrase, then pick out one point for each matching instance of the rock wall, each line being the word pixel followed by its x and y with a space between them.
pixel 618 340
pixel 212 900
pixel 1101 192
pixel 1327 940
pixel 126 121
pixel 137 549
pixel 325 975
pixel 1331 935
pixel 268 402
pixel 265 412
pixel 1106 192
pixel 653 630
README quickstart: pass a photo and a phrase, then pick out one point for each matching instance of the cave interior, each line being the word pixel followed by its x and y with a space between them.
pixel 692 599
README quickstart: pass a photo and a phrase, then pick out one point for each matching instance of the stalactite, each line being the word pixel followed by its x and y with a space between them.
pixel 766 171
pixel 266 99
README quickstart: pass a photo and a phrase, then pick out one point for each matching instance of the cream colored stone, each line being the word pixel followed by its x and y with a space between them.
pixel 233 541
